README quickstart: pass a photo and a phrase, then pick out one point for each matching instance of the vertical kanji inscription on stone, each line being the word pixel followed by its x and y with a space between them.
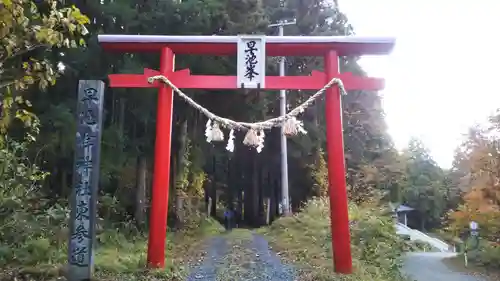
pixel 85 179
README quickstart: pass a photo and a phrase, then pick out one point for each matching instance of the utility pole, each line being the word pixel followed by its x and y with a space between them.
pixel 284 157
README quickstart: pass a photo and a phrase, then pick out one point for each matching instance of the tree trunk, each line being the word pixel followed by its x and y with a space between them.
pixel 181 167
pixel 247 189
pixel 272 195
pixel 277 190
pixel 113 106
pixel 255 192
pixel 213 191
pixel 140 196
pixel 230 184
pixel 64 182
pixel 179 204
pixel 261 195
pixel 268 210
pixel 121 119
pixel 240 201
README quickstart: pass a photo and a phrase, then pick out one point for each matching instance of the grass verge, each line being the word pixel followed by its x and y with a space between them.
pixel 120 255
pixel 458 264
pixel 304 240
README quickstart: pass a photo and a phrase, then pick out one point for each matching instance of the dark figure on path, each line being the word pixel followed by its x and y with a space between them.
pixel 228 219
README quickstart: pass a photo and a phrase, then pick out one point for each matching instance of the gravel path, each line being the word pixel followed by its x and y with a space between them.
pixel 429 266
pixel 242 260
pixel 208 270
pixel 268 265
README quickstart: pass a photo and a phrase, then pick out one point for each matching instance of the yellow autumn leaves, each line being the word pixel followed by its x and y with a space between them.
pixel 27 26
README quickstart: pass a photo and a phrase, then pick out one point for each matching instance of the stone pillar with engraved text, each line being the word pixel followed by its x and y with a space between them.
pixel 85 180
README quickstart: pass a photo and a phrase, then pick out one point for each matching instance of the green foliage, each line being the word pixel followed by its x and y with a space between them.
pixel 182 177
pixel 20 181
pixel 484 254
pixel 28 30
pixel 305 241
pixel 419 246
pixel 130 122
pixel 487 255
pixel 197 176
pixel 130 113
pixel 19 177
pixel 35 245
pixel 423 187
pixel 319 174
pixel 33 235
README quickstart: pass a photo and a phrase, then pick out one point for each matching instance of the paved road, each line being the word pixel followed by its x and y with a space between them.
pixel 430 267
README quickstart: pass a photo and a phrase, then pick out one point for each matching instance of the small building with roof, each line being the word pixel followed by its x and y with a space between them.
pixel 401 212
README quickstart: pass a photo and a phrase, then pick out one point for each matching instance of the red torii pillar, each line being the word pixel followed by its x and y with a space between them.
pixel 329 47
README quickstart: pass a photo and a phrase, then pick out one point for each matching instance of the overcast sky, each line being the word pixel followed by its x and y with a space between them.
pixel 442 76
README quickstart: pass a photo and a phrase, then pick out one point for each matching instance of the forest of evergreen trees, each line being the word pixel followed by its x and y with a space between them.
pixel 48 46
pixel 128 138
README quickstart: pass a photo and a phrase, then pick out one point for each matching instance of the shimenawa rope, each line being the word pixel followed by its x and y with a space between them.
pixel 255 135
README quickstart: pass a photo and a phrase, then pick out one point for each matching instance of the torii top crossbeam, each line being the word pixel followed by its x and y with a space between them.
pixel 227 45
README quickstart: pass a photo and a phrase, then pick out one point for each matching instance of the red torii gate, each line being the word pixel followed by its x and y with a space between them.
pixel 330 48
